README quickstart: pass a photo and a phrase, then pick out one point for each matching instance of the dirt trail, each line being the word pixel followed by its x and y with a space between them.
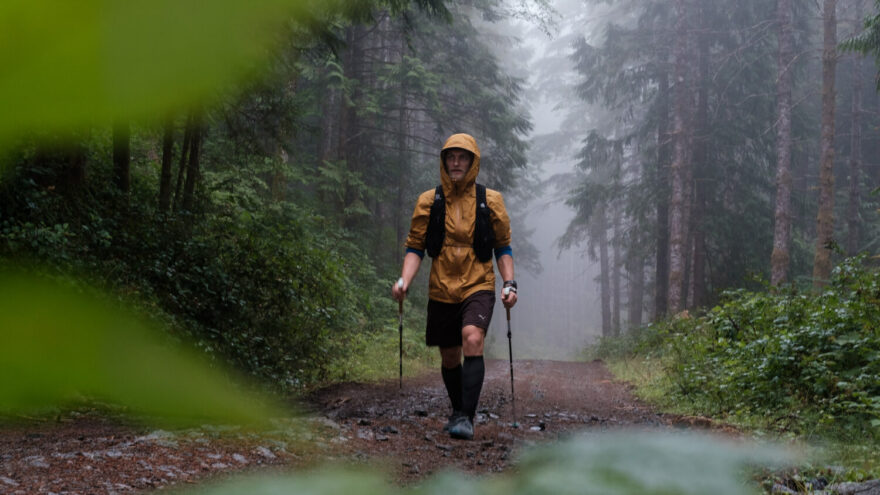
pixel 91 453
pixel 553 398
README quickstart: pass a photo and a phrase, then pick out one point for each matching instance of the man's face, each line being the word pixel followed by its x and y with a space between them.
pixel 458 162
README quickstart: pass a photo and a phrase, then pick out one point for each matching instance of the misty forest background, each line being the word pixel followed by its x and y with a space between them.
pixel 712 156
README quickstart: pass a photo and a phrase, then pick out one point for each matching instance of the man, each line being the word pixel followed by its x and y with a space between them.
pixel 461 236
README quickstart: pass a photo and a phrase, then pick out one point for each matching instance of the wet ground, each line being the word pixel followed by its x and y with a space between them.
pixel 553 398
pixel 89 452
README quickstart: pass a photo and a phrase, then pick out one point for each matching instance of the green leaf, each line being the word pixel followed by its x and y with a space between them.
pixel 69 64
pixel 60 345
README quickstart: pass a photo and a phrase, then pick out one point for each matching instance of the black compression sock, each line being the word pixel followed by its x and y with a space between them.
pixel 472 373
pixel 452 380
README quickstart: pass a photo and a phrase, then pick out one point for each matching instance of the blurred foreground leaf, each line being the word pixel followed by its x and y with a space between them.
pixel 58 345
pixel 622 463
pixel 69 64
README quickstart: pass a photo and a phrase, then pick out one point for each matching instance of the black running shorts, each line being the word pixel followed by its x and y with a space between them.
pixel 445 320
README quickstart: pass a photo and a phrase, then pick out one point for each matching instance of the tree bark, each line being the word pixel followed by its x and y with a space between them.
pixel 167 164
pixel 601 233
pixel 192 168
pixel 701 167
pixel 181 167
pixel 678 168
pixel 636 269
pixel 825 216
pixel 853 235
pixel 122 156
pixel 615 272
pixel 661 275
pixel 780 257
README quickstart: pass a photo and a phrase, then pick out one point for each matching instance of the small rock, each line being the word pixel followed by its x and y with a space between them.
pixel 871 487
pixel 531 415
pixel 364 422
pixel 420 412
pixel 444 447
pixel 381 438
pixel 493 416
pixel 779 488
pixel 240 458
pixel 536 428
pixel 8 481
pixel 36 461
pixel 263 451
pixel 215 456
pixel 365 434
pixel 217 465
pixel 389 429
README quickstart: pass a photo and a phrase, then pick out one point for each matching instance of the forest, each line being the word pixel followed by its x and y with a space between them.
pixel 248 187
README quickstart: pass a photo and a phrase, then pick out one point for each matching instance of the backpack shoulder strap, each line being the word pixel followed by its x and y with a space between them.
pixel 484 234
pixel 436 233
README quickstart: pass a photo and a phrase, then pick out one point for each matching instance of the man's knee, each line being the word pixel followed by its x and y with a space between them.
pixel 472 339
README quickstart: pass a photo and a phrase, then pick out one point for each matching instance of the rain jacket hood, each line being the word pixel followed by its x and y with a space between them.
pixel 468 143
pixel 456 272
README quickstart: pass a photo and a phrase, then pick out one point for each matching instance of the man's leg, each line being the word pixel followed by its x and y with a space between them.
pixel 473 369
pixel 451 368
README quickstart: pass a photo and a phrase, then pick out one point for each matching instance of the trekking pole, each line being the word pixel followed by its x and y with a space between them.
pixel 400 333
pixel 510 351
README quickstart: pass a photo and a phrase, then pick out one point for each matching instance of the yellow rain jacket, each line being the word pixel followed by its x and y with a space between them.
pixel 456 273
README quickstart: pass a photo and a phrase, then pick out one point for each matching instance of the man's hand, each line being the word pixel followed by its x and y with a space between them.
pixel 398 290
pixel 508 297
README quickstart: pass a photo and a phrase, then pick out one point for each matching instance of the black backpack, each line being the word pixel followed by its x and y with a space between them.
pixel 484 235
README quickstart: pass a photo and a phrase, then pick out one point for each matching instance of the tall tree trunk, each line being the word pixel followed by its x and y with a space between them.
pixel 780 258
pixel 678 169
pixel 825 216
pixel 601 234
pixel 181 167
pixel 192 168
pixel 853 235
pixel 122 156
pixel 701 167
pixel 615 272
pixel 661 275
pixel 398 213
pixel 167 164
pixel 636 270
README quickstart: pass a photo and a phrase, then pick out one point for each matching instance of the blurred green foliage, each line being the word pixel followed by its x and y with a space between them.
pixel 602 464
pixel 807 363
pixel 73 64
pixel 61 344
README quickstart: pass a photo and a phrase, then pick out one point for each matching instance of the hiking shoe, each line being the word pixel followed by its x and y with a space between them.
pixel 461 427
pixel 451 420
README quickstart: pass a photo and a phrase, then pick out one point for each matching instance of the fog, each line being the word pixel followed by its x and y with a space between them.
pixel 558 313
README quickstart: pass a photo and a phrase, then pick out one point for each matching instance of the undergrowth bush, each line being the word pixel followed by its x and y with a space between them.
pixel 805 361
pixel 279 291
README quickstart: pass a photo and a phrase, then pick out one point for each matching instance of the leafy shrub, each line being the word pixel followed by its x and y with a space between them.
pixel 806 359
pixel 272 287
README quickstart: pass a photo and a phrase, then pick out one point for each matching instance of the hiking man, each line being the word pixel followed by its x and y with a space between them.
pixel 460 224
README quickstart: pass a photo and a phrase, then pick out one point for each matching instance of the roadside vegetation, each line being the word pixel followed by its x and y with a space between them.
pixel 789 364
